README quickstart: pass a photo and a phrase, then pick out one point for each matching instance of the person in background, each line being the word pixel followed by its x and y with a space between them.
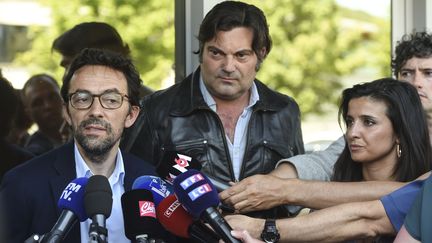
pixel 417 223
pixel 10 154
pixel 387 139
pixel 42 101
pixel 221 115
pixel 91 35
pixel 101 97
pixel 19 134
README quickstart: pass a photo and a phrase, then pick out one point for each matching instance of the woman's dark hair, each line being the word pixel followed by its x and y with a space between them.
pixel 405 111
pixel 109 59
pixel 37 78
pixel 417 44
pixel 228 15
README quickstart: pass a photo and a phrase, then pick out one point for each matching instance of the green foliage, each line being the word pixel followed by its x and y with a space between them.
pixel 312 51
pixel 146 26
pixel 313 47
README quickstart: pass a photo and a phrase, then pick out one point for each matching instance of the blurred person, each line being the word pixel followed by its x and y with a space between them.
pixel 101 97
pixel 19 133
pixel 42 100
pixel 91 35
pixel 418 221
pixel 10 154
pixel 386 139
pixel 221 114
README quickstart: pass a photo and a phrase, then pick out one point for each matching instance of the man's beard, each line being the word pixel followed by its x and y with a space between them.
pixel 95 148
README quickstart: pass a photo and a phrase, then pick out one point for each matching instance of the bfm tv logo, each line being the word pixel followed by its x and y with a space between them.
pixel 70 188
pixel 147 209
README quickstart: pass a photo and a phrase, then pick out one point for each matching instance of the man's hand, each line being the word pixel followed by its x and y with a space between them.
pixel 241 222
pixel 255 193
pixel 244 236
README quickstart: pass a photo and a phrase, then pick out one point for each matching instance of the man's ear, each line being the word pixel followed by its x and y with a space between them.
pixel 132 116
pixel 66 114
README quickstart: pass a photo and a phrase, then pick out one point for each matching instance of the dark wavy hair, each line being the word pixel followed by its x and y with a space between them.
pixel 90 35
pixel 228 15
pixel 116 61
pixel 405 111
pixel 416 44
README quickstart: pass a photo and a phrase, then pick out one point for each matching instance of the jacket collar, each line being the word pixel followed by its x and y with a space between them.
pixel 189 98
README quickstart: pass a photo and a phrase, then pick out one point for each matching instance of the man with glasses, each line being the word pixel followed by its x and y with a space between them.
pixel 100 93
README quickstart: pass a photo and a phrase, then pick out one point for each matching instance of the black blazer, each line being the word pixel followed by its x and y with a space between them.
pixel 29 193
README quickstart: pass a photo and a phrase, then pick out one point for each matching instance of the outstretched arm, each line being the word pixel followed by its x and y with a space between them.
pixel 347 221
pixel 260 192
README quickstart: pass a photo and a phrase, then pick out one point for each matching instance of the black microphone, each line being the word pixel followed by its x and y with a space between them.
pixel 72 205
pixel 98 204
pixel 200 198
pixel 139 214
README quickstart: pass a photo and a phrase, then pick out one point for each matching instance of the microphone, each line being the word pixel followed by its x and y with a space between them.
pixel 71 203
pixel 200 198
pixel 98 204
pixel 176 220
pixel 139 216
pixel 173 164
pixel 159 188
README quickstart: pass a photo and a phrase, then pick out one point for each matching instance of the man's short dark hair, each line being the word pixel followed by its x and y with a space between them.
pixel 109 59
pixel 228 15
pixel 416 44
pixel 90 35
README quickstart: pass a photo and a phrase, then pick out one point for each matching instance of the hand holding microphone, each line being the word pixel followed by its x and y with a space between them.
pixel 200 198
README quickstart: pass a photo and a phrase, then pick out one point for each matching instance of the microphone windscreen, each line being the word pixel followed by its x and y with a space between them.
pixel 173 164
pixel 195 192
pixel 156 185
pixel 72 198
pixel 174 217
pixel 98 196
pixel 139 214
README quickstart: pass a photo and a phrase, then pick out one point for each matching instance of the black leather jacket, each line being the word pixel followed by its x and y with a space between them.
pixel 178 119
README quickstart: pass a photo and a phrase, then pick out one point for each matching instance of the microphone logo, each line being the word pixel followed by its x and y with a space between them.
pixel 170 210
pixel 191 180
pixel 182 162
pixel 147 209
pixel 199 191
pixel 70 188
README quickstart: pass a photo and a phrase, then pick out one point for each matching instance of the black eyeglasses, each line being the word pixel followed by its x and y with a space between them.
pixel 82 100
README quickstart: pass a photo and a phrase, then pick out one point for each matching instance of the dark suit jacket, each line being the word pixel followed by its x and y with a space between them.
pixel 29 193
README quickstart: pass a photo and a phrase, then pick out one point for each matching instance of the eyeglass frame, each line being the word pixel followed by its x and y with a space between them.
pixel 123 96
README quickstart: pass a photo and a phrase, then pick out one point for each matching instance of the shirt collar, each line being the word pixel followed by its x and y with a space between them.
pixel 82 170
pixel 254 97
